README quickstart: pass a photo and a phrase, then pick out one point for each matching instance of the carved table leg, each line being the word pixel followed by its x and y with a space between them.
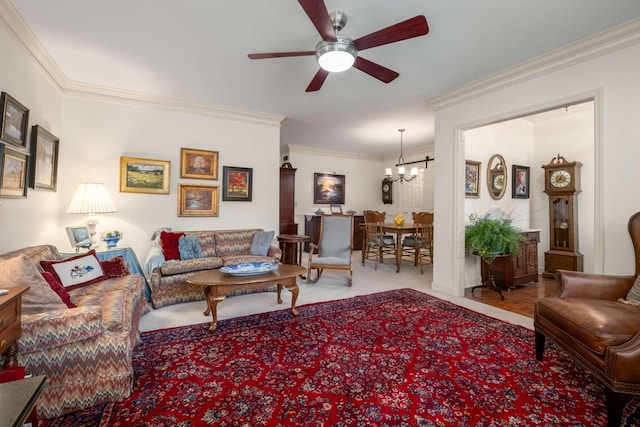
pixel 279 293
pixel 292 286
pixel 212 306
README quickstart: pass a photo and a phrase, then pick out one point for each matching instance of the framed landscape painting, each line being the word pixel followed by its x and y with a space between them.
pixel 144 175
pixel 471 179
pixel 328 188
pixel 198 164
pixel 197 200
pixel 237 184
pixel 13 180
pixel 43 169
pixel 14 121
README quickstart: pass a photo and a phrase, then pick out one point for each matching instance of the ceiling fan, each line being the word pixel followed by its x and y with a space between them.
pixel 336 53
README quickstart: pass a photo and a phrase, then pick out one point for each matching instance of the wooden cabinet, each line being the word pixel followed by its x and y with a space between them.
pixel 10 311
pixel 511 271
pixel 312 229
pixel 287 201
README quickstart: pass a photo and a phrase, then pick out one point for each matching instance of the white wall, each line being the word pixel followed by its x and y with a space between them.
pixel 612 79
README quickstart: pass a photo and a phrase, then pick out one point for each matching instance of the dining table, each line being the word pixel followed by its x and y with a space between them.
pixel 398 230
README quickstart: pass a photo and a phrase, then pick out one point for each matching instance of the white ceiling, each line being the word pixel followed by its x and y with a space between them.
pixel 197 50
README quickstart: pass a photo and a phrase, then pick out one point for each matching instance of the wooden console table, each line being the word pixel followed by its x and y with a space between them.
pixel 511 271
pixel 10 312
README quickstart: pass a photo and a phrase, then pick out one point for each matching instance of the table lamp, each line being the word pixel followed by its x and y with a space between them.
pixel 91 198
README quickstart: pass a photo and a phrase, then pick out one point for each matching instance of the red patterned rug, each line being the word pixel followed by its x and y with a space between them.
pixel 398 358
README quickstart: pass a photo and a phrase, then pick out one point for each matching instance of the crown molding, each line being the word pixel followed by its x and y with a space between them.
pixel 599 44
pixel 331 153
pixel 50 68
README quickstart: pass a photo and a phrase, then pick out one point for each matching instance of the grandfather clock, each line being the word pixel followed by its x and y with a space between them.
pixel 562 185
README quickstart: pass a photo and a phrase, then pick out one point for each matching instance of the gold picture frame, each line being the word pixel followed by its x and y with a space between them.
pixel 198 164
pixel 198 200
pixel 139 175
pixel 13 176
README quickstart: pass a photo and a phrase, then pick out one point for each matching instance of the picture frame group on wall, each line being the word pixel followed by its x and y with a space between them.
pixel 197 200
pixel 43 168
pixel 13 179
pixel 328 188
pixel 14 121
pixel 520 177
pixel 237 184
pixel 472 179
pixel 139 175
pixel 198 164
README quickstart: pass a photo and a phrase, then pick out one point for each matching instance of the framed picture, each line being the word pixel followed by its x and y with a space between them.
pixel 197 200
pixel 43 168
pixel 14 121
pixel 198 164
pixel 237 184
pixel 13 180
pixel 520 182
pixel 144 175
pixel 79 237
pixel 471 179
pixel 328 189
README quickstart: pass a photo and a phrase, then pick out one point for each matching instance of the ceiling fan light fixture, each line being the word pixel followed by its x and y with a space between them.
pixel 336 57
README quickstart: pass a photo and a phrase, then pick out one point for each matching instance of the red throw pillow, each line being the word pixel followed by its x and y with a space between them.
pixel 114 267
pixel 58 289
pixel 77 271
pixel 169 243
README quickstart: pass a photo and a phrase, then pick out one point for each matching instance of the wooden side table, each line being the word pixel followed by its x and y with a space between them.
pixel 291 245
pixel 10 312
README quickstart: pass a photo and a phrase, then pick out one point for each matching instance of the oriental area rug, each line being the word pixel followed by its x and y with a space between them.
pixel 397 358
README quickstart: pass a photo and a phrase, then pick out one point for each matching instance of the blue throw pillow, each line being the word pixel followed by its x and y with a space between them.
pixel 189 247
pixel 261 243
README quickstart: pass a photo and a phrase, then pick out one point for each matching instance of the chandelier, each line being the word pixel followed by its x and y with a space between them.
pixel 401 167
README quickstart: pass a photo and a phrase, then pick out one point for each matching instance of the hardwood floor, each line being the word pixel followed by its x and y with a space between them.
pixel 519 300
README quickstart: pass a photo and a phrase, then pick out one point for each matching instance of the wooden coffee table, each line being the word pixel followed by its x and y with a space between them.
pixel 217 285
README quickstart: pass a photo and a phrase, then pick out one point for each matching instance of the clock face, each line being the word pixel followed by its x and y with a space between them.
pixel 498 182
pixel 560 178
pixel 385 187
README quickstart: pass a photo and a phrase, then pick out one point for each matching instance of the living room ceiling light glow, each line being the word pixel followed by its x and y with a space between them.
pixel 336 57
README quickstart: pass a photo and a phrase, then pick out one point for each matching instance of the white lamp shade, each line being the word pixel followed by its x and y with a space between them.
pixel 91 198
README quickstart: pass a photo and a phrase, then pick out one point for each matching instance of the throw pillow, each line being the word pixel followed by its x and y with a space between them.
pixel 189 247
pixel 77 271
pixel 261 243
pixel 21 271
pixel 57 287
pixel 114 267
pixel 169 243
pixel 634 292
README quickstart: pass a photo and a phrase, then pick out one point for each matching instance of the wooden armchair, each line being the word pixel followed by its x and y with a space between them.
pixel 587 321
pixel 335 246
pixel 419 246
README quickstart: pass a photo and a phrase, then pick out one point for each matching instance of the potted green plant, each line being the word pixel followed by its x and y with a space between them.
pixel 490 237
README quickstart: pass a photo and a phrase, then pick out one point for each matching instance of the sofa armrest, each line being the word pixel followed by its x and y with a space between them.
pixel 622 361
pixel 275 252
pixel 57 328
pixel 575 284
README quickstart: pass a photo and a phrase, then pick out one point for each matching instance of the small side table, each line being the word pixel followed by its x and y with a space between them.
pixel 291 245
pixel 10 312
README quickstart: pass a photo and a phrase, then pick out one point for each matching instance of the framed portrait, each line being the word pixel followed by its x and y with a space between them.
pixel 237 184
pixel 13 180
pixel 471 179
pixel 43 166
pixel 198 164
pixel 144 175
pixel 520 182
pixel 14 121
pixel 197 200
pixel 328 189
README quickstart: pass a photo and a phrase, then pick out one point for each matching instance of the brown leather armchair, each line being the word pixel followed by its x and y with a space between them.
pixel 585 319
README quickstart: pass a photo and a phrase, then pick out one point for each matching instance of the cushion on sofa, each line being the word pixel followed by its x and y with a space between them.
pixel 114 267
pixel 634 292
pixel 234 242
pixel 57 287
pixel 21 271
pixel 169 243
pixel 189 247
pixel 76 271
pixel 261 243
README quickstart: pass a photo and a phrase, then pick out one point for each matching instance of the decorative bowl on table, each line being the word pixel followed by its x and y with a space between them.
pixel 111 238
pixel 249 268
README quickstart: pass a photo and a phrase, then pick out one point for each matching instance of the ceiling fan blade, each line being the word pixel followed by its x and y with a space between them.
pixel 318 80
pixel 317 12
pixel 280 54
pixel 375 70
pixel 412 27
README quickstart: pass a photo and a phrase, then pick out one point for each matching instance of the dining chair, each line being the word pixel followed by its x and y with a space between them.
pixel 335 246
pixel 376 241
pixel 419 245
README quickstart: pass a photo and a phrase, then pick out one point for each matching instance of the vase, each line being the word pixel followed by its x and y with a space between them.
pixel 111 242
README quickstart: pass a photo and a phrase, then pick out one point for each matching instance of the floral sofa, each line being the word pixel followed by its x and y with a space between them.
pixel 176 255
pixel 83 340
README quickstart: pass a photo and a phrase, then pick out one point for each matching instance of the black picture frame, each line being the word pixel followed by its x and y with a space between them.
pixel 14 121
pixel 43 169
pixel 520 178
pixel 328 189
pixel 237 184
pixel 13 172
pixel 472 179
